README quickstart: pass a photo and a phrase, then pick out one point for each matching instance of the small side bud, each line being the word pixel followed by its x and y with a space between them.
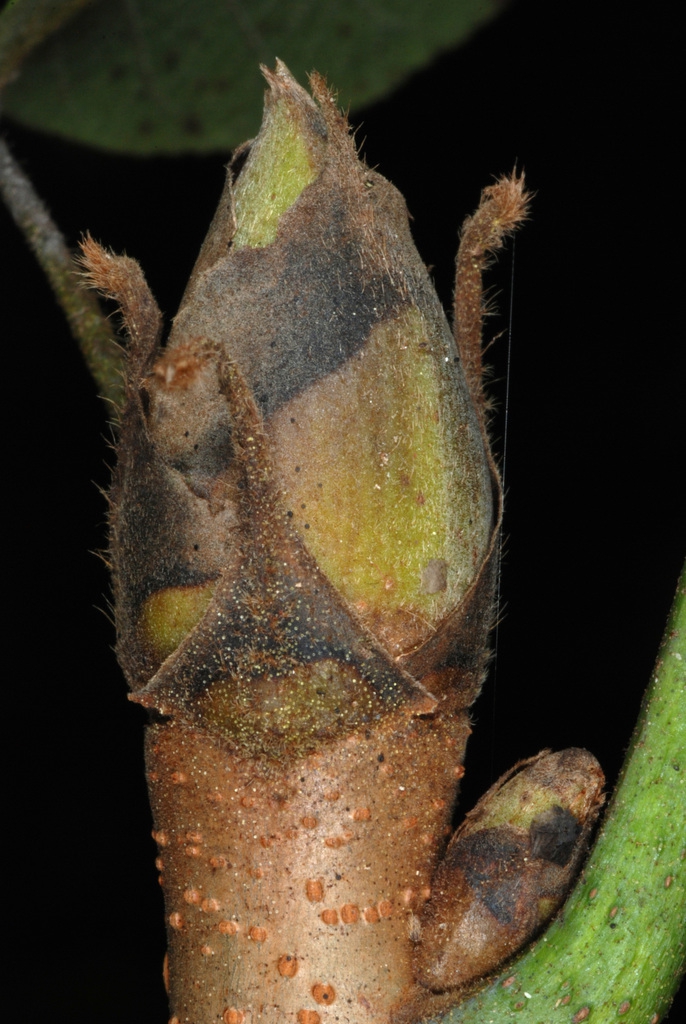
pixel 508 867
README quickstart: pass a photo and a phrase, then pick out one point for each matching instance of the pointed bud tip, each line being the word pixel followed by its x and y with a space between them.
pixel 283 86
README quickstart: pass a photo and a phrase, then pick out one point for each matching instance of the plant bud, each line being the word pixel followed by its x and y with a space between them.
pixel 319 468
pixel 508 867
pixel 304 532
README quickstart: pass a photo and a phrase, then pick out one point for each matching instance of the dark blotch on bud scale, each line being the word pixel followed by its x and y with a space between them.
pixel 491 862
pixel 288 304
pixel 494 860
pixel 553 835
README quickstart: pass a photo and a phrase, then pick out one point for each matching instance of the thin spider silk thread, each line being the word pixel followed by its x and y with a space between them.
pixel 503 478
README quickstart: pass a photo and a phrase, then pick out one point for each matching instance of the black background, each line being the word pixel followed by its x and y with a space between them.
pixel 584 98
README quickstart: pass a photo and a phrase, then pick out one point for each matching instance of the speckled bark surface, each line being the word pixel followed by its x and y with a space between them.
pixel 291 889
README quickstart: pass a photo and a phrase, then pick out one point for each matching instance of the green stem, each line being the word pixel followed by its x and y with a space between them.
pixel 617 951
pixel 88 324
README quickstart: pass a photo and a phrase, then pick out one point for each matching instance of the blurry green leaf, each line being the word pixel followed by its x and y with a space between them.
pixel 167 76
pixel 24 24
